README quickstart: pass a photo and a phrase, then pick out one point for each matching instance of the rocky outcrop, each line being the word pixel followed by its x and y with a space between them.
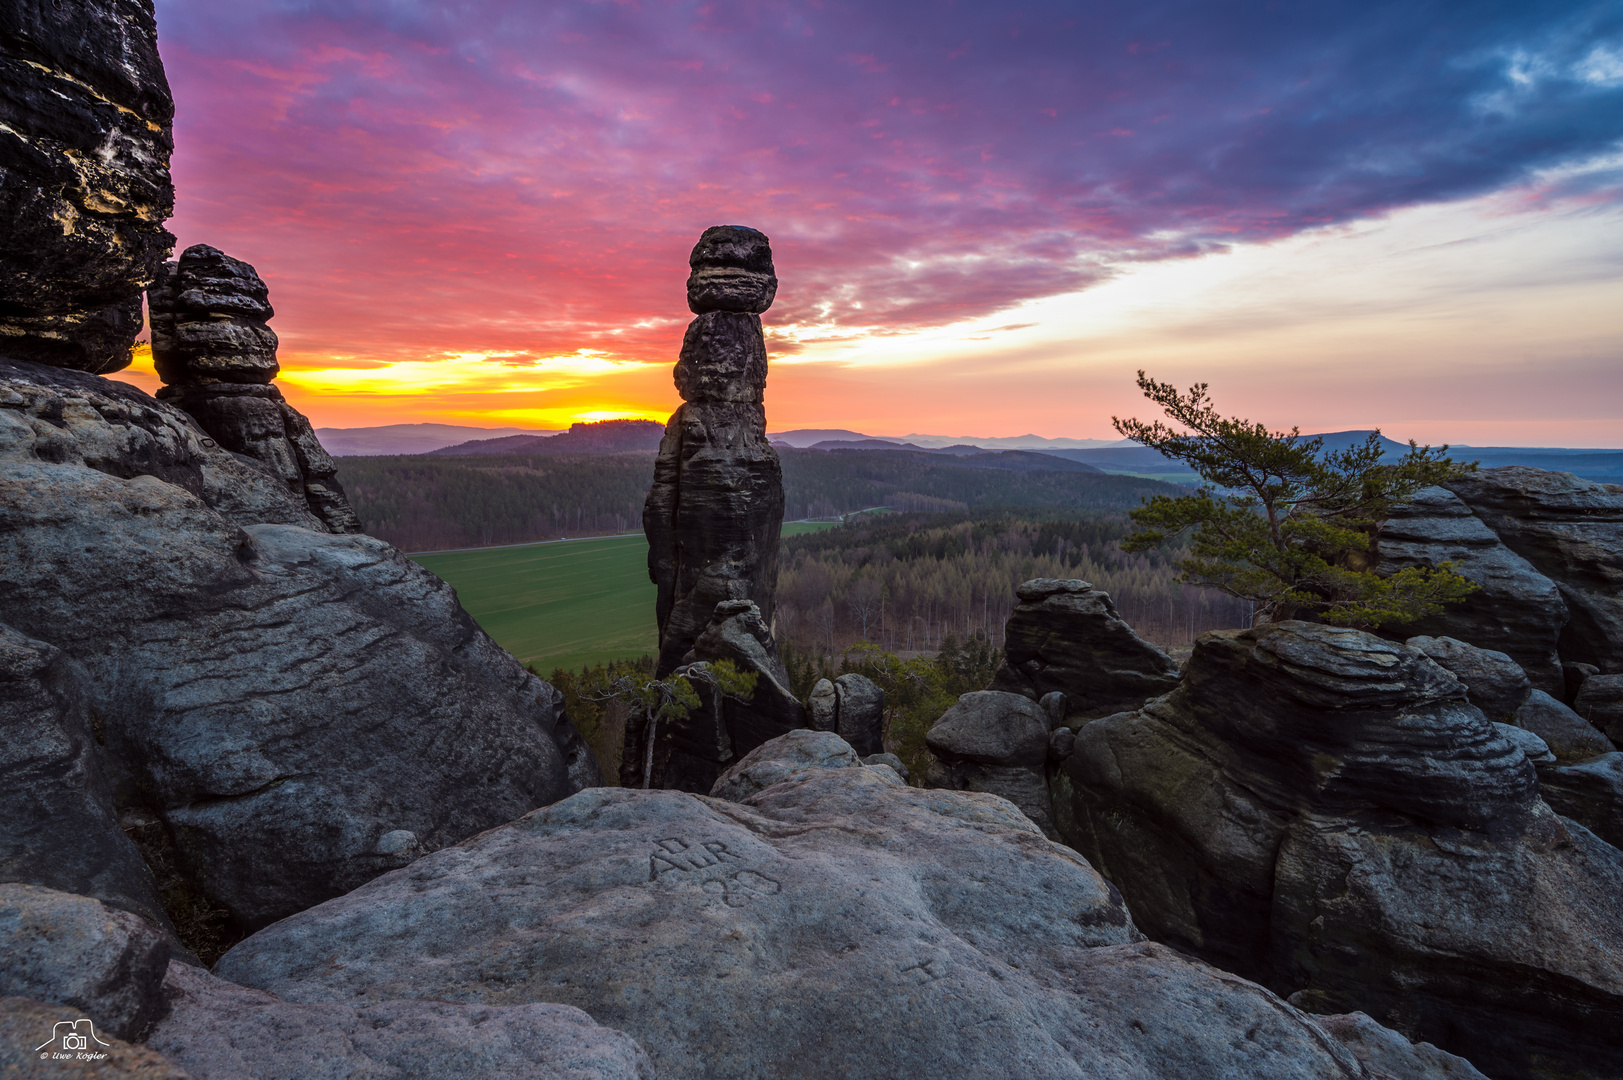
pixel 217 358
pixel 834 923
pixel 71 950
pixel 1494 682
pixel 215 1029
pixel 716 505
pixel 1571 531
pixel 1389 1056
pixel 1065 636
pixel 58 826
pixel 1325 811
pixel 997 743
pixel 85 118
pixel 286 704
pixel 1569 736
pixel 1600 702
pixel 688 754
pixel 1516 610
pixel 853 707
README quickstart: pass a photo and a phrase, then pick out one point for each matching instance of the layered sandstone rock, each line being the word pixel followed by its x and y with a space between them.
pixel 997 743
pixel 1065 637
pixel 716 505
pixel 832 923
pixel 284 704
pixel 213 349
pixel 1571 531
pixel 1325 811
pixel 1516 610
pixel 85 116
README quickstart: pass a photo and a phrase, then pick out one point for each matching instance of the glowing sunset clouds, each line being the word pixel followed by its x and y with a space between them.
pixel 985 216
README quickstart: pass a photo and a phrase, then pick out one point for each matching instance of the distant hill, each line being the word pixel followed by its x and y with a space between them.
pixel 601 437
pixel 405 438
pixel 964 457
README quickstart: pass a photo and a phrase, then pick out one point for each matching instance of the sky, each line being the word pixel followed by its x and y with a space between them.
pixel 985 217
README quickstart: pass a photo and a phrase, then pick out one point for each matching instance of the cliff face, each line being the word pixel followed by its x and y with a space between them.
pixel 85 118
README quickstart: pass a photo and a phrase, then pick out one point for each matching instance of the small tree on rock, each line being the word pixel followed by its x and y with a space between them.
pixel 1283 523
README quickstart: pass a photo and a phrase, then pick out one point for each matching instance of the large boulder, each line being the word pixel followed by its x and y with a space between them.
pixel 1571 531
pixel 72 950
pixel 85 116
pixel 836 923
pixel 1065 636
pixel 217 1030
pixel 1516 610
pixel 1389 1056
pixel 1326 812
pixel 58 825
pixel 287 703
pixel 1600 702
pixel 1494 682
pixel 994 742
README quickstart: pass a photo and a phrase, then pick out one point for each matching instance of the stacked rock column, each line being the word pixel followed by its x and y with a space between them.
pixel 716 506
pixel 217 358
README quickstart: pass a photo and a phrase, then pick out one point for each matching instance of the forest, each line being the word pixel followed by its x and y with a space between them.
pixel 437 502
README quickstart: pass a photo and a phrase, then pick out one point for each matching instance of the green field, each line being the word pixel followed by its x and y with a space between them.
pixel 564 603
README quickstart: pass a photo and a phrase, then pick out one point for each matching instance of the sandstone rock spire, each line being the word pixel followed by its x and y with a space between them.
pixel 212 348
pixel 716 505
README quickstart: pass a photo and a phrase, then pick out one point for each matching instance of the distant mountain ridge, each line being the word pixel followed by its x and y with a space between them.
pixel 600 437
pixel 407 438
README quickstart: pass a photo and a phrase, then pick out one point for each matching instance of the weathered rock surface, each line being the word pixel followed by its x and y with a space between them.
pixel 715 508
pixel 1569 736
pixel 1589 792
pixel 731 270
pixel 280 699
pixel 25 1025
pixel 1600 703
pixel 835 923
pixel 1326 812
pixel 1516 610
pixel 1571 530
pixel 216 1029
pixel 1066 636
pixel 58 827
pixel 1389 1056
pixel 211 346
pixel 1494 682
pixel 85 116
pixel 860 713
pixel 72 950
pixel 783 757
pixel 994 742
pixel 889 761
pixel 823 707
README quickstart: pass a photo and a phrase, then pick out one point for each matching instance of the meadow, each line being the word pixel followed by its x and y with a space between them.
pixel 563 603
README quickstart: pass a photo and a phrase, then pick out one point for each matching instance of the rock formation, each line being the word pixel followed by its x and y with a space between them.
pixel 1599 701
pixel 1065 636
pixel 716 505
pixel 1571 531
pixel 998 743
pixel 84 178
pixel 853 707
pixel 217 357
pixel 1326 812
pixel 284 705
pixel 833 923
pixel 1516 610
pixel 1494 682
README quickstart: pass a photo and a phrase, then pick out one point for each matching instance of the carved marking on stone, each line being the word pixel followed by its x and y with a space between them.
pixel 925 971
pixel 742 887
pixel 676 853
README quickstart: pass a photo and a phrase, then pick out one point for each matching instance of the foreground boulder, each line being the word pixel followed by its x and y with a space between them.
pixel 76 951
pixel 84 185
pixel 300 711
pixel 834 923
pixel 1516 610
pixel 41 1041
pixel 216 1030
pixel 1571 531
pixel 1326 812
pixel 1065 636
